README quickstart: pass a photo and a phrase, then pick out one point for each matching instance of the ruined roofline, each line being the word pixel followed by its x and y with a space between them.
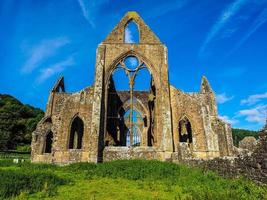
pixel 134 91
pixel 205 88
pixel 146 35
pixel 60 84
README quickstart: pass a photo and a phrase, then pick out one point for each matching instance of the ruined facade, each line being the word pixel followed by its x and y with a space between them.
pixel 102 122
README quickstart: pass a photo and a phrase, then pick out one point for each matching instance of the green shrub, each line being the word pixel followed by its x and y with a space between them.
pixel 24 148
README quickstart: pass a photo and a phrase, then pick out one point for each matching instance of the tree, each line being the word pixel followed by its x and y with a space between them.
pixel 17 122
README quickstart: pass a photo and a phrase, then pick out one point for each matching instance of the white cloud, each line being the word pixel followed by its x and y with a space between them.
pixel 86 11
pixel 224 18
pixel 54 69
pixel 128 36
pixel 257 114
pixel 252 99
pixel 228 120
pixel 258 22
pixel 222 98
pixel 89 8
pixel 45 49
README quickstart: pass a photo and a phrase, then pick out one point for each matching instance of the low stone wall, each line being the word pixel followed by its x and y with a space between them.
pixel 252 165
pixel 125 153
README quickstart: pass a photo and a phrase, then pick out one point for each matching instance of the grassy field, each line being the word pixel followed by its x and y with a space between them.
pixel 134 179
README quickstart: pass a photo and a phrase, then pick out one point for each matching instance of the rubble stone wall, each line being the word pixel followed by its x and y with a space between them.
pixel 252 165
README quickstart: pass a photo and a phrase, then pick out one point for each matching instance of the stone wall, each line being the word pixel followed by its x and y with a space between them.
pixel 252 165
pixel 126 153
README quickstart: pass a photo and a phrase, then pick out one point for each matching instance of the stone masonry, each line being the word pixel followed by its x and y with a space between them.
pixel 251 163
pixel 92 125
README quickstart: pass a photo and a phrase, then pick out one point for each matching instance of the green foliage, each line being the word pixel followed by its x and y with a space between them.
pixel 17 122
pixel 24 148
pixel 239 134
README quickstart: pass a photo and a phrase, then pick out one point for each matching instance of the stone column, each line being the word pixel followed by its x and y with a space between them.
pixel 167 140
pixel 97 106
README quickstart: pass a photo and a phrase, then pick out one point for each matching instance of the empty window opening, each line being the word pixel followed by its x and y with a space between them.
pixel 185 131
pixel 131 62
pixel 48 142
pixel 131 33
pixel 142 80
pixel 135 123
pixel 120 80
pixel 76 133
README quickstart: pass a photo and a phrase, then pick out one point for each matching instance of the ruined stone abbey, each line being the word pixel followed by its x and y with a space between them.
pixel 103 122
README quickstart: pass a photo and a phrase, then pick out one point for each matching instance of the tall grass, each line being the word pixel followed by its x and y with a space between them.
pixel 13 182
pixel 180 181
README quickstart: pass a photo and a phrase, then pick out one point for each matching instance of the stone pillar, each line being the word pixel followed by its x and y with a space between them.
pixel 211 137
pixel 167 139
pixel 97 106
pixel 229 139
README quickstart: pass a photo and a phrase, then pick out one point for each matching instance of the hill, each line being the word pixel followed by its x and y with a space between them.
pixel 17 122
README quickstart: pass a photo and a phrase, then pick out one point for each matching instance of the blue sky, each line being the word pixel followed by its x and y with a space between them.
pixel 224 40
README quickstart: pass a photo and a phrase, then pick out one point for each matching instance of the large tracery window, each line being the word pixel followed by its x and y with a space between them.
pixel 131 86
pixel 76 133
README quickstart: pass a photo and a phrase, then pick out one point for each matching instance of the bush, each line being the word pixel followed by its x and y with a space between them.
pixel 24 148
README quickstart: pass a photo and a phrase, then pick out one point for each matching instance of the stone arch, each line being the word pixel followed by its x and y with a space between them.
pixel 146 35
pixel 151 68
pixel 76 133
pixel 137 127
pixel 48 142
pixel 144 113
pixel 46 119
pixel 129 22
pixel 140 107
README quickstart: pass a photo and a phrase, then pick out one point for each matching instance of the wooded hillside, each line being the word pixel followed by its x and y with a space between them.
pixel 17 122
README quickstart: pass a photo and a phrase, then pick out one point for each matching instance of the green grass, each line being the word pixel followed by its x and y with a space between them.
pixel 134 179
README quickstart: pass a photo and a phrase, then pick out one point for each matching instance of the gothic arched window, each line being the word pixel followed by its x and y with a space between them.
pixel 185 130
pixel 131 33
pixel 48 142
pixel 76 133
